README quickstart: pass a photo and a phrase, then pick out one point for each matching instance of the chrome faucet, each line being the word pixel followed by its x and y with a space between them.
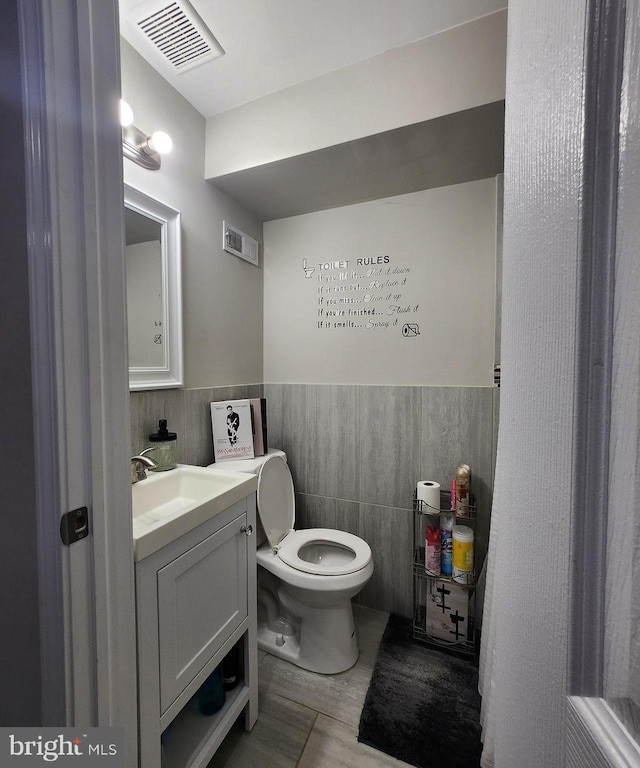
pixel 140 464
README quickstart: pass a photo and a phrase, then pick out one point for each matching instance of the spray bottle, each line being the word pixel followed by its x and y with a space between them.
pixel 463 486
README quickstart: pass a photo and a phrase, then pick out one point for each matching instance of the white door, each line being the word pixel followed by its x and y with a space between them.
pixel 70 71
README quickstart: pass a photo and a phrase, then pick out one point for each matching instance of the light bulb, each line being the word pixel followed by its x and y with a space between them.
pixel 126 114
pixel 160 142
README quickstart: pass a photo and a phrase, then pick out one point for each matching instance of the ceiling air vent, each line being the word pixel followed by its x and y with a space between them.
pixel 236 242
pixel 177 32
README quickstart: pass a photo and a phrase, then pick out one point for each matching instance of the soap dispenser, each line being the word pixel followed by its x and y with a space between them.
pixel 163 445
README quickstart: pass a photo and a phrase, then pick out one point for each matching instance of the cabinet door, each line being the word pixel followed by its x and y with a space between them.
pixel 202 599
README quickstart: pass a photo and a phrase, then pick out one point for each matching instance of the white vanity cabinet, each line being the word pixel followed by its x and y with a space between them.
pixel 196 598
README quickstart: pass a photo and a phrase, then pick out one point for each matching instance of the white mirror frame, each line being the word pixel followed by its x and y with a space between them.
pixel 170 373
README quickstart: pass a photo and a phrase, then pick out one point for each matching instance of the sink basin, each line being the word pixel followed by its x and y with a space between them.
pixel 168 504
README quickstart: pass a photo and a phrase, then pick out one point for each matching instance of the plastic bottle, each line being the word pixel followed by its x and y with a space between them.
pixel 463 554
pixel 164 444
pixel 446 543
pixel 211 696
pixel 432 547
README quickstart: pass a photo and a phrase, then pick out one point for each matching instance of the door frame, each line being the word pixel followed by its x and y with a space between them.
pixel 570 75
pixel 74 175
pixel 605 460
pixel 71 86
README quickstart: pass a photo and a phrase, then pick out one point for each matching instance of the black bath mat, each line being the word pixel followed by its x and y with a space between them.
pixel 422 705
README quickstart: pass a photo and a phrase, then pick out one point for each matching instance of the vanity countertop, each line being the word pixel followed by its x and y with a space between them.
pixel 168 504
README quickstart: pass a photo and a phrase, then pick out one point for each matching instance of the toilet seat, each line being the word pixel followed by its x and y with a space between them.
pixel 336 553
pixel 356 552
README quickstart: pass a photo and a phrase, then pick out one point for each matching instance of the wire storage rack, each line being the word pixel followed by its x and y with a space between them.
pixel 444 608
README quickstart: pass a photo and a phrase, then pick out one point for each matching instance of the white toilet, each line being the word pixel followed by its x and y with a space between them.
pixel 306 578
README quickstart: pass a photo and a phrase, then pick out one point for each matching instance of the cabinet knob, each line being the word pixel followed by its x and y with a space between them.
pixel 248 529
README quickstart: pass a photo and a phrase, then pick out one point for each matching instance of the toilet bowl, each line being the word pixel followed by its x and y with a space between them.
pixel 306 578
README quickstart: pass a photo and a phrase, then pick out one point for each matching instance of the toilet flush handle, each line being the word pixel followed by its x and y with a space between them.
pixel 248 529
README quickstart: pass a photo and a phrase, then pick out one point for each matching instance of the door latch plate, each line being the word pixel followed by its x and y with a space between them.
pixel 74 525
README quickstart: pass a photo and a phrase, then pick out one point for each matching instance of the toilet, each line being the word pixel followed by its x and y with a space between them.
pixel 306 578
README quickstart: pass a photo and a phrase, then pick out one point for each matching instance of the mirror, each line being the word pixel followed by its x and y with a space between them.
pixel 154 299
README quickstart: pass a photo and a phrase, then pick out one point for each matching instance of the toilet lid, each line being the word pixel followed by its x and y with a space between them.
pixel 276 505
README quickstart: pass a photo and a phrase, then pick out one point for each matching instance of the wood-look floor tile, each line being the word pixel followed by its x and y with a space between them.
pixel 333 744
pixel 370 626
pixel 340 696
pixel 289 701
pixel 276 741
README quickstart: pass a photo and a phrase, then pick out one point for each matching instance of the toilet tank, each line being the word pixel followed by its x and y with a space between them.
pixel 251 466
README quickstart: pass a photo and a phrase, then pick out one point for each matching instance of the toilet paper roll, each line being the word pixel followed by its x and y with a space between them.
pixel 428 492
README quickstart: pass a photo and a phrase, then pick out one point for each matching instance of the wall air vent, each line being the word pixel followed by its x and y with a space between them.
pixel 176 31
pixel 236 242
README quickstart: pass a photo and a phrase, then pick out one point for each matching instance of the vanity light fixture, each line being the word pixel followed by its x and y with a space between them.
pixel 160 142
pixel 143 149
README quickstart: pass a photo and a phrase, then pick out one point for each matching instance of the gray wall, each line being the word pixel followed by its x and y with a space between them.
pixel 441 272
pixel 356 453
pixel 357 449
pixel 20 698
pixel 188 415
pixel 222 294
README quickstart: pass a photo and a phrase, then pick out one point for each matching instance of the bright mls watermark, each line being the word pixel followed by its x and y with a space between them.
pixel 62 747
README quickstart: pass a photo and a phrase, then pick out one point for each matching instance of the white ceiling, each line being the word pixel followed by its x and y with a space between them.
pixel 272 44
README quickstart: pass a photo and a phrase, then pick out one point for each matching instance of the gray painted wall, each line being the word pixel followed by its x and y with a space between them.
pixel 470 145
pixel 442 241
pixel 20 699
pixel 222 294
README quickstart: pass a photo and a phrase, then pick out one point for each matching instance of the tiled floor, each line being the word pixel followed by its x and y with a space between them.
pixel 308 720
